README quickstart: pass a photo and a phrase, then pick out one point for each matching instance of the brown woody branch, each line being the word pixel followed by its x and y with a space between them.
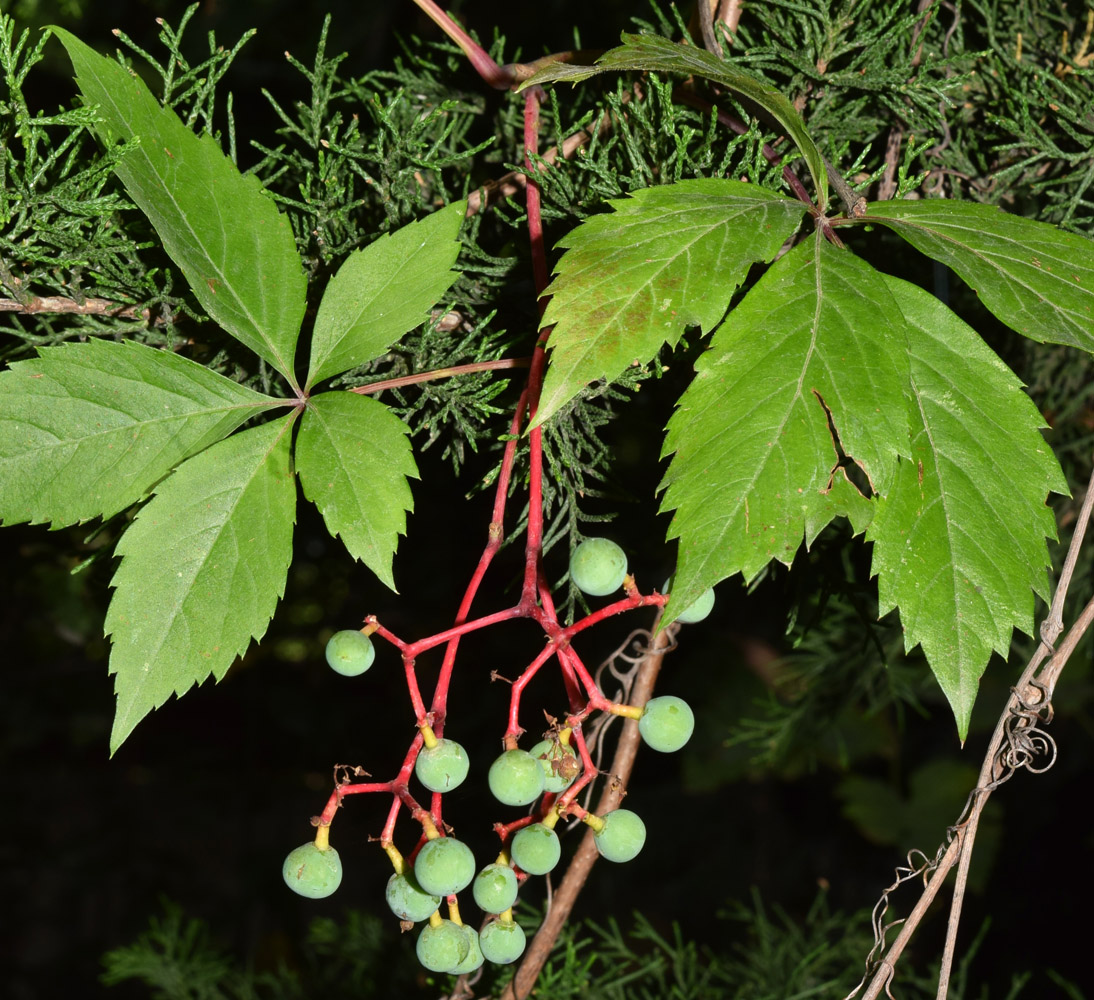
pixel 1034 690
pixel 430 376
pixel 60 304
pixel 564 898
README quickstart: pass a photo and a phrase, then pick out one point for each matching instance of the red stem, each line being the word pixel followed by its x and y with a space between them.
pixel 412 686
pixel 536 602
pixel 514 729
pixel 596 699
pixel 484 65
pixel 534 538
pixel 495 534
pixel 388 836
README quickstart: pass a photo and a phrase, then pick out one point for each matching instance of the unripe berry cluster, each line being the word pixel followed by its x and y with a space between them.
pixel 547 777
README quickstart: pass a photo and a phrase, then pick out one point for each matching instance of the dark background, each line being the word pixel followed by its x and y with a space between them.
pixel 204 800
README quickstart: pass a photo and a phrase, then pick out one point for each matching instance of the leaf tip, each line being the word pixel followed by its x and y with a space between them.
pixel 962 714
pixel 123 727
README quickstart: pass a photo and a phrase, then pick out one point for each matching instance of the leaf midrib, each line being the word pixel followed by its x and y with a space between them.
pixel 749 483
pixel 318 365
pixel 317 413
pixel 284 368
pixel 150 422
pixel 950 568
pixel 1007 275
pixel 971 403
pixel 169 623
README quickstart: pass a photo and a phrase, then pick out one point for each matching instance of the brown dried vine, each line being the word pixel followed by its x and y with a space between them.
pixel 1019 741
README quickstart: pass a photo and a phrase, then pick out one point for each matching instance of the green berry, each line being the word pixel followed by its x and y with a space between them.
pixel 495 888
pixel 536 849
pixel 474 953
pixel 444 866
pixel 350 653
pixel 622 836
pixel 666 723
pixel 443 767
pixel 502 941
pixel 698 609
pixel 560 764
pixel 408 900
pixel 597 567
pixel 442 947
pixel 312 872
pixel 516 778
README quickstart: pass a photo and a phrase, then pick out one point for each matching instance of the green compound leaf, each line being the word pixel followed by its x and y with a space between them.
pixel 653 52
pixel 959 540
pixel 667 258
pixel 1036 278
pixel 384 290
pixel 755 466
pixel 353 457
pixel 88 429
pixel 236 250
pixel 203 567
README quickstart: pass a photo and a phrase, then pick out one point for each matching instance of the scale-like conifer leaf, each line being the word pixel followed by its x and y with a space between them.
pixel 666 258
pixel 88 429
pixel 203 567
pixel 1036 278
pixel 353 457
pixel 754 467
pixel 959 539
pixel 236 250
pixel 384 290
pixel 662 55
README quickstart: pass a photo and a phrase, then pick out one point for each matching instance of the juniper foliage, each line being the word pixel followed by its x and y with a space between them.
pixel 777 958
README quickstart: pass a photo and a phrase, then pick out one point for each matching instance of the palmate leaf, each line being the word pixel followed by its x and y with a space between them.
pixel 88 429
pixel 959 539
pixel 235 249
pixel 353 457
pixel 384 290
pixel 653 52
pixel 203 567
pixel 666 258
pixel 754 464
pixel 1036 278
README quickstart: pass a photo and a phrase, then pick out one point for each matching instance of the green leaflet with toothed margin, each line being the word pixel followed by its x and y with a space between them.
pixel 1037 279
pixel 754 465
pixel 959 539
pixel 664 259
pixel 384 290
pixel 353 456
pixel 236 250
pixel 88 429
pixel 203 567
